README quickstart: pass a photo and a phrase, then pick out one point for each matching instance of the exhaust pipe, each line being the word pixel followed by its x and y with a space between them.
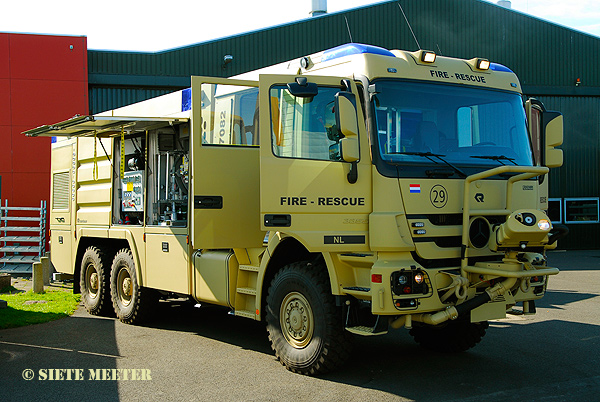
pixel 453 312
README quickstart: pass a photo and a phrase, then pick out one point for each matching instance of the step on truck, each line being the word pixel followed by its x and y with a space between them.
pixel 349 192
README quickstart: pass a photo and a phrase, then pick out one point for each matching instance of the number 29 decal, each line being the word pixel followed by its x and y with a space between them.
pixel 438 196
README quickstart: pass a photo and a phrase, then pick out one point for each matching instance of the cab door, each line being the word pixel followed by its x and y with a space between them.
pixel 310 187
pixel 225 164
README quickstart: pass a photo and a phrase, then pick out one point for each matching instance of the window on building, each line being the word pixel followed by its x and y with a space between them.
pixel 555 210
pixel 581 210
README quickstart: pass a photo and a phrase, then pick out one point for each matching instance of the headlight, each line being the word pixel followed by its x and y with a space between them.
pixel 543 224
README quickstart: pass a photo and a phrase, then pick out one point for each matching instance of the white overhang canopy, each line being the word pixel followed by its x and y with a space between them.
pixel 102 126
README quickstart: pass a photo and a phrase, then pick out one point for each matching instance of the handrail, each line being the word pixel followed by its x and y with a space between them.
pixel 527 172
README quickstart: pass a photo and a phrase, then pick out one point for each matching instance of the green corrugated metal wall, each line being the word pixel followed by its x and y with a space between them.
pixel 548 59
pixel 580 175
pixel 541 53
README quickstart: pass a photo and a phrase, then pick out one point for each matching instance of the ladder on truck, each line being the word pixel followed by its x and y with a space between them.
pixel 22 237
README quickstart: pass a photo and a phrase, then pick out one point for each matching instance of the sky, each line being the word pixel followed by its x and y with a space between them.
pixel 153 25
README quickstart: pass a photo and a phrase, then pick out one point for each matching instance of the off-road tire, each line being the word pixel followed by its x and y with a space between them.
pixel 94 282
pixel 452 336
pixel 131 302
pixel 299 299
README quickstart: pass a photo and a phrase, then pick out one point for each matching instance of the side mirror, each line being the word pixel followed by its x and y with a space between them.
pixel 553 129
pixel 347 122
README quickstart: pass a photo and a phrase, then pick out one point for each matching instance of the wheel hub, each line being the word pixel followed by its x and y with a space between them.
pixel 125 286
pixel 92 281
pixel 296 319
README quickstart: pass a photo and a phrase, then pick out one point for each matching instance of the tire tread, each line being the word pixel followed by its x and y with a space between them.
pixel 337 343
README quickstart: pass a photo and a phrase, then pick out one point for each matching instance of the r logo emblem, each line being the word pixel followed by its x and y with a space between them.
pixel 479 197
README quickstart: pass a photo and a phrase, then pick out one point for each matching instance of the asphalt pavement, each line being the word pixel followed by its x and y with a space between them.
pixel 191 354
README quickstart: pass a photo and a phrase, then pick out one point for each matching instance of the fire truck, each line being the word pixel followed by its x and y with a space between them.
pixel 349 192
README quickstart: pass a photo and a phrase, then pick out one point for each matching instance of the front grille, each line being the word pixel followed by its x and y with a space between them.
pixel 453 219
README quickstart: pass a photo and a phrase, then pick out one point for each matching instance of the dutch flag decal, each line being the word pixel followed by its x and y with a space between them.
pixel 415 188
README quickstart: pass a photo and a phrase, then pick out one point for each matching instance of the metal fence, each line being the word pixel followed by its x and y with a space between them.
pixel 22 237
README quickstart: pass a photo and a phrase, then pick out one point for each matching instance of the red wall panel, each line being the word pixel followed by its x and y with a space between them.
pixel 48 57
pixel 7 187
pixel 30 154
pixel 29 189
pixel 39 102
pixel 5 150
pixel 4 56
pixel 42 81
pixel 4 102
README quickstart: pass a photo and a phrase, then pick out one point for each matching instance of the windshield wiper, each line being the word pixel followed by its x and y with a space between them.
pixel 430 155
pixel 497 158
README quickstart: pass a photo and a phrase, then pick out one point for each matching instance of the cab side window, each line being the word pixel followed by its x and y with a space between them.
pixel 304 128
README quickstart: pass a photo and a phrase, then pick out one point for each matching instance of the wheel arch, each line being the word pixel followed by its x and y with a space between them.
pixel 283 250
pixel 108 246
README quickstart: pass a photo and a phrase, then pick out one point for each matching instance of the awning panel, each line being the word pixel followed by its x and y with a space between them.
pixel 102 126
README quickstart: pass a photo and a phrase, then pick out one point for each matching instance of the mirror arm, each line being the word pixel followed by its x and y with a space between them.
pixel 353 173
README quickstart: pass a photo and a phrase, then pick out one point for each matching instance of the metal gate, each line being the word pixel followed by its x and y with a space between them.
pixel 22 237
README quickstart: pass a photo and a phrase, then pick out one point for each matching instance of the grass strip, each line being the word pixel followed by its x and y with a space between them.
pixel 33 308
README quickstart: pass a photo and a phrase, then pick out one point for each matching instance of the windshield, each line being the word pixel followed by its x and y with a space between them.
pixel 466 127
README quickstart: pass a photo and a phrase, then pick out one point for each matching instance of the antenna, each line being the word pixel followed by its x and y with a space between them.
pixel 409 27
pixel 348 26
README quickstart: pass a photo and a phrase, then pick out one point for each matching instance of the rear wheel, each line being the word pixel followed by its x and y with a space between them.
pixel 131 302
pixel 452 336
pixel 305 326
pixel 94 281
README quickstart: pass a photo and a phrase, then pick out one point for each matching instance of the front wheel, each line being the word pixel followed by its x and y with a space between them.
pixel 305 326
pixel 131 302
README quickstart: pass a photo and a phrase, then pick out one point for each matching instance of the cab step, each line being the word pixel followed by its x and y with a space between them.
pixel 365 331
pixel 245 313
pixel 249 268
pixel 247 291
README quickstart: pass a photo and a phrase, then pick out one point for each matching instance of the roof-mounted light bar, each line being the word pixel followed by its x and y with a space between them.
pixel 352 49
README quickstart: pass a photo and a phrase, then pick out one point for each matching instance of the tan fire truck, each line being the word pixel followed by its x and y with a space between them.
pixel 347 192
